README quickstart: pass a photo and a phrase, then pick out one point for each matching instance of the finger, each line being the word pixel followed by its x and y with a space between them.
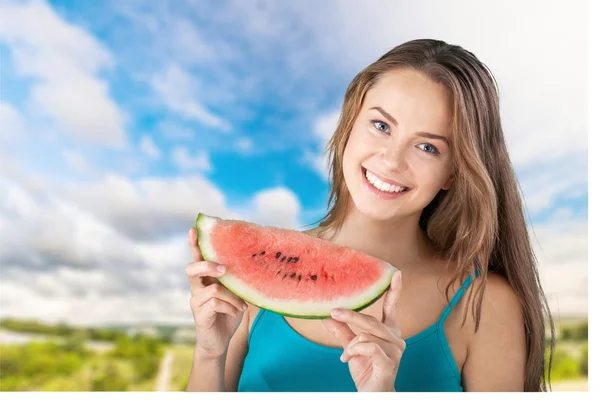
pixel 391 350
pixel 366 323
pixel 217 291
pixel 196 271
pixel 216 306
pixel 193 243
pixel 391 303
pixel 368 349
pixel 340 330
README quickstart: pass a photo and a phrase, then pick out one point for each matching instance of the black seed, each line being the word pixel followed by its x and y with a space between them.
pixel 313 277
pixel 278 254
pixel 284 275
pixel 277 272
pixel 282 259
pixel 293 275
pixel 254 255
pixel 262 253
pixel 294 259
pixel 299 277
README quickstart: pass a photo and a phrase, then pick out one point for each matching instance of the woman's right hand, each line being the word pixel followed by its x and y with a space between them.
pixel 217 312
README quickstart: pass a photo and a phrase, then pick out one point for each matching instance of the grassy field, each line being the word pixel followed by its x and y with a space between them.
pixel 182 364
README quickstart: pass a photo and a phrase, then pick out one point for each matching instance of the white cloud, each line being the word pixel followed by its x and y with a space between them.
pixel 245 145
pixel 149 148
pixel 561 247
pixel 324 127
pixel 174 131
pixel 76 161
pixel 178 90
pixel 543 182
pixel 185 161
pixel 276 207
pixel 318 162
pixel 63 61
pixel 13 127
pixel 111 251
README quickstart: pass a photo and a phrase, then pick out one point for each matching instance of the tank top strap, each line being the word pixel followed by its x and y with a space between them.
pixel 457 296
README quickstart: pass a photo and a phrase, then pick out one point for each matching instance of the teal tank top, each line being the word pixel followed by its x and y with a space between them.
pixel 281 360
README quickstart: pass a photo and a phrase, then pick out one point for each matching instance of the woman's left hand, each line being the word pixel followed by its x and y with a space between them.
pixel 374 354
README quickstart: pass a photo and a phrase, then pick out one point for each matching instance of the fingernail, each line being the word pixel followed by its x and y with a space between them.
pixel 221 268
pixel 244 307
pixel 336 312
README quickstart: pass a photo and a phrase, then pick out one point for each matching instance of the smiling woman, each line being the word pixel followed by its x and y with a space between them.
pixel 421 178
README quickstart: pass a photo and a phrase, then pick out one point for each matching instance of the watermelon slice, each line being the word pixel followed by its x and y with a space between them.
pixel 290 272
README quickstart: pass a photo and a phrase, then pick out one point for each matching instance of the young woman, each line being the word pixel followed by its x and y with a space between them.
pixel 421 178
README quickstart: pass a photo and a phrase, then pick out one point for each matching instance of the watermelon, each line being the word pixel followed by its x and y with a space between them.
pixel 289 272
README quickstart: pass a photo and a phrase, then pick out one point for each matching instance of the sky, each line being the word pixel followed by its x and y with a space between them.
pixel 120 121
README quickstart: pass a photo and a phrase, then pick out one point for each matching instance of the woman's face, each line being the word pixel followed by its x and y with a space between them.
pixel 398 155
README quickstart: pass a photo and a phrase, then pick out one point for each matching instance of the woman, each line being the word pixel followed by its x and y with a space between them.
pixel 421 178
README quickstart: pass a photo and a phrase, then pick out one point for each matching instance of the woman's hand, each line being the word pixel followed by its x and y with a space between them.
pixel 373 356
pixel 217 312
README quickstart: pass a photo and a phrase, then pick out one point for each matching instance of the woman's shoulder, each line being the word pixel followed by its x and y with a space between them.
pixel 501 314
pixel 497 349
pixel 499 296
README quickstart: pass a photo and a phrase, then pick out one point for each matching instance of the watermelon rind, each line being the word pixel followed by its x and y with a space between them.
pixel 293 309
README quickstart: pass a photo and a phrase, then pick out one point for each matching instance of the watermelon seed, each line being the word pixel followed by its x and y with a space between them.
pixel 313 277
pixel 293 259
pixel 283 259
pixel 254 255
pixel 284 275
pixel 262 253
pixel 293 275
pixel 278 272
pixel 278 254
pixel 299 278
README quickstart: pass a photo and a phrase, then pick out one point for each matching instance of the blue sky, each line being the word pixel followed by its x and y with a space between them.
pixel 124 119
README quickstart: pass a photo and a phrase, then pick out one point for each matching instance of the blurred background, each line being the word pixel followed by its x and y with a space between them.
pixel 121 120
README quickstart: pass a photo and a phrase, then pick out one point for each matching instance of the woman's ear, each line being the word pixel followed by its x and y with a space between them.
pixel 449 183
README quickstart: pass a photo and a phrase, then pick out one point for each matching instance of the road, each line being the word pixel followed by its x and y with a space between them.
pixel 163 381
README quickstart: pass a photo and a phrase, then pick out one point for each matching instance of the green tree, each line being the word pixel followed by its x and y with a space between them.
pixel 109 379
pixel 563 366
pixel 75 343
pixel 583 362
pixel 581 331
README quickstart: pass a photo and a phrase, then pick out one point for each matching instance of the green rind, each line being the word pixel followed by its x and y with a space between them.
pixel 234 291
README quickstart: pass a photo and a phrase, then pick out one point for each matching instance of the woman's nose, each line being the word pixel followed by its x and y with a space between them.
pixel 394 158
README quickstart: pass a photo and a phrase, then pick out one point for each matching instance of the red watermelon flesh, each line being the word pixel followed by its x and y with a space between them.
pixel 290 272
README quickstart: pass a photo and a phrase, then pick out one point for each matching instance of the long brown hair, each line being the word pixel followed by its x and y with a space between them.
pixel 480 221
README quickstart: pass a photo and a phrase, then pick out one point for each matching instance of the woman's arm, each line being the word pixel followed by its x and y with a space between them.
pixel 496 352
pixel 222 374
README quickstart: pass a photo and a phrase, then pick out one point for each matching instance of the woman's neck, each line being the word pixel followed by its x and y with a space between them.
pixel 400 242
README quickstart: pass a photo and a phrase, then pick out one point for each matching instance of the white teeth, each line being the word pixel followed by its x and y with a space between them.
pixel 383 186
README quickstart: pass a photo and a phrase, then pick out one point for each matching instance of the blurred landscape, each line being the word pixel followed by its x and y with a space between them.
pixel 40 357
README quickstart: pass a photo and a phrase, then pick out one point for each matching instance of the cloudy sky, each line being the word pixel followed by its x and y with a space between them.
pixel 120 121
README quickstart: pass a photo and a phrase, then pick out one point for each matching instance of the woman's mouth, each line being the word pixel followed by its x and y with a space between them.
pixel 383 188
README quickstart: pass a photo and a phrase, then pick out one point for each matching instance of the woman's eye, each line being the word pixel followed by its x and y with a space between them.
pixel 382 126
pixel 429 148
